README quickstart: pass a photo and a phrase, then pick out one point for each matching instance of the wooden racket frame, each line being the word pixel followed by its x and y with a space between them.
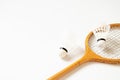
pixel 89 56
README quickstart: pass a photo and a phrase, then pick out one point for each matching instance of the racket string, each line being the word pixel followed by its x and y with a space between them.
pixel 112 45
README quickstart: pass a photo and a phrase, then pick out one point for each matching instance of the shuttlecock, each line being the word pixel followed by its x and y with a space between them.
pixel 101 35
pixel 69 45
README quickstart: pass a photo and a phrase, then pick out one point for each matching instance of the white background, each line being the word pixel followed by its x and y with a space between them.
pixel 31 32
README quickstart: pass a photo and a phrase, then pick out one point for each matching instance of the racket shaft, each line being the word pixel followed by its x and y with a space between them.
pixel 68 69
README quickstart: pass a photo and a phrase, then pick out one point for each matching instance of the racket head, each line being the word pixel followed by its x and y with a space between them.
pixel 93 55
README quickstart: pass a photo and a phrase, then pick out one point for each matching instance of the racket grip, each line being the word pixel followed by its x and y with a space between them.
pixel 68 69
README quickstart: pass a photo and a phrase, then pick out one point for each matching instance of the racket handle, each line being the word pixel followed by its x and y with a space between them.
pixel 68 69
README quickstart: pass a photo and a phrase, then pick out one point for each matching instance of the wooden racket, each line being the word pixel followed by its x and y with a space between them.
pixel 110 54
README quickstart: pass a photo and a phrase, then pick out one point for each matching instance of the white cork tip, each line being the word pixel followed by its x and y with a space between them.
pixel 101 43
pixel 63 53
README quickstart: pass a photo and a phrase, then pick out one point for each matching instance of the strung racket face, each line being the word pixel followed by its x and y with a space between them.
pixel 111 48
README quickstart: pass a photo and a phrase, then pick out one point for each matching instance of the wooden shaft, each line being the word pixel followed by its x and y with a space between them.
pixel 69 68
